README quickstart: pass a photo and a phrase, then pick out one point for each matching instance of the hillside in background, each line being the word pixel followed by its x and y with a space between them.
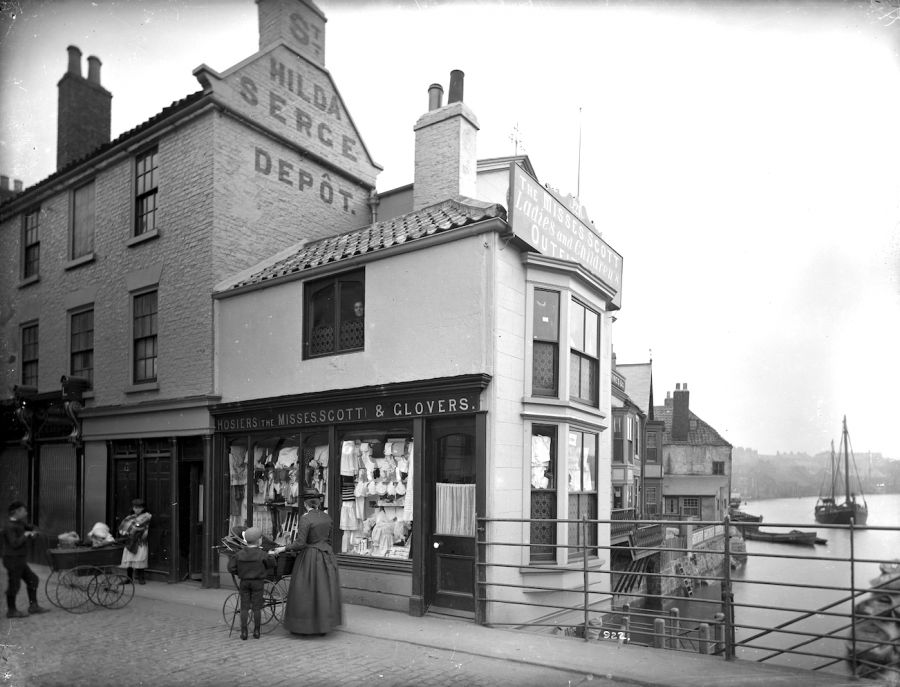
pixel 759 476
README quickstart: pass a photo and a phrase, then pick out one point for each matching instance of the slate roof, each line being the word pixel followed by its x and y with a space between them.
pixel 434 219
pixel 163 114
pixel 702 435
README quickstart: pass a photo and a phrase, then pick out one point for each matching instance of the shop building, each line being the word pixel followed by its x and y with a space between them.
pixel 108 266
pixel 448 363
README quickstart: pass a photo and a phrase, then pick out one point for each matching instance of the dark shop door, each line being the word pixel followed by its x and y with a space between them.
pixel 451 549
pixel 190 520
pixel 157 494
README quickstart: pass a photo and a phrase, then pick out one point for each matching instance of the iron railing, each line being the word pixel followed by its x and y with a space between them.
pixel 682 593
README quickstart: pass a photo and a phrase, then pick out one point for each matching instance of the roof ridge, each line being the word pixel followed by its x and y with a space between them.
pixel 440 217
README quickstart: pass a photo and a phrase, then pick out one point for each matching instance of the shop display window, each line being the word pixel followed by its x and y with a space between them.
pixel 376 473
pixel 266 476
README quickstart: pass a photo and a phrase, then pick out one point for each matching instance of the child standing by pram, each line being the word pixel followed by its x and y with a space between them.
pixel 252 565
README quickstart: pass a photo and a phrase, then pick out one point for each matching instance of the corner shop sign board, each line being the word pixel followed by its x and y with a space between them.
pixel 549 227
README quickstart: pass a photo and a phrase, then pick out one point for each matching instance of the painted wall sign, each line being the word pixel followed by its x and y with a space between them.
pixel 310 180
pixel 367 410
pixel 296 99
pixel 547 225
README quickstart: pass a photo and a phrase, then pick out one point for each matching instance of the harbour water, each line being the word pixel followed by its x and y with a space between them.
pixel 772 572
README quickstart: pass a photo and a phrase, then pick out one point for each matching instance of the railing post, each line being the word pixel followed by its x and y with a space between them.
pixel 659 633
pixel 675 629
pixel 626 610
pixel 852 600
pixel 719 619
pixel 584 560
pixel 728 594
pixel 480 571
pixel 703 635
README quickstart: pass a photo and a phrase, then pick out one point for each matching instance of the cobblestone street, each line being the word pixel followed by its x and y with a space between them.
pixel 175 634
pixel 161 643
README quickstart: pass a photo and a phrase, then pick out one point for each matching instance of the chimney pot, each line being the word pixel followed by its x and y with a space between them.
pixel 677 386
pixel 74 60
pixel 456 87
pixel 4 183
pixel 94 69
pixel 435 96
pixel 17 183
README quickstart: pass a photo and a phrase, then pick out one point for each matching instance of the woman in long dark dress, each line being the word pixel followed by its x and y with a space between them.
pixel 314 598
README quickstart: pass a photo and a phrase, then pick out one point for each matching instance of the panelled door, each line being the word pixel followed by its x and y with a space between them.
pixel 450 550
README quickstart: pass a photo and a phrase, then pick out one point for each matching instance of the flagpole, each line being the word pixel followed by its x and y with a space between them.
pixel 578 186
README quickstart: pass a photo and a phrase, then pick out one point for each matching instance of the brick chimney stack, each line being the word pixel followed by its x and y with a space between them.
pixel 446 160
pixel 299 24
pixel 7 192
pixel 680 414
pixel 83 121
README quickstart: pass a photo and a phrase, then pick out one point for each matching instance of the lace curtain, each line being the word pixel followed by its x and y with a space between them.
pixel 455 510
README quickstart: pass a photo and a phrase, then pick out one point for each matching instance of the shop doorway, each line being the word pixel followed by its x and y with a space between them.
pixel 450 549
pixel 190 519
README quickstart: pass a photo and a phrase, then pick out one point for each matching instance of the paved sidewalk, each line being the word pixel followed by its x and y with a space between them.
pixel 176 635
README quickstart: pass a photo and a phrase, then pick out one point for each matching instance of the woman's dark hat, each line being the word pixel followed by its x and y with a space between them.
pixel 310 493
pixel 138 502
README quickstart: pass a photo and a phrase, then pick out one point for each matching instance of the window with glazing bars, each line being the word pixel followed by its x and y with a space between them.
pixel 30 355
pixel 82 345
pixel 690 506
pixel 146 192
pixel 145 337
pixel 651 505
pixel 584 364
pixel 83 221
pixel 618 445
pixel 581 466
pixel 335 315
pixel 545 343
pixel 31 255
pixel 543 493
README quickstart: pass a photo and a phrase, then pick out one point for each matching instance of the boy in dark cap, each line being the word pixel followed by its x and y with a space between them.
pixel 15 534
pixel 252 565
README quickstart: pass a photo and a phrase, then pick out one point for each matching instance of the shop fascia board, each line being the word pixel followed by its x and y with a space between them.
pixel 448 384
pixel 494 224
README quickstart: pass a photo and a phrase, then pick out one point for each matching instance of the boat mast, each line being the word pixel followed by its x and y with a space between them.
pixel 834 469
pixel 846 463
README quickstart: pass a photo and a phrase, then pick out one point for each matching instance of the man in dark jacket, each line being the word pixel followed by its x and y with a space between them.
pixel 15 534
pixel 252 565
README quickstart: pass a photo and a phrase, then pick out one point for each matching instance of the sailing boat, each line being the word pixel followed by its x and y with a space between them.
pixel 828 510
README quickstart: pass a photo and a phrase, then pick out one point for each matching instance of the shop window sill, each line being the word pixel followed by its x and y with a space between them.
pixel 141 238
pixel 547 580
pixel 78 262
pixel 374 563
pixel 556 569
pixel 28 281
pixel 138 388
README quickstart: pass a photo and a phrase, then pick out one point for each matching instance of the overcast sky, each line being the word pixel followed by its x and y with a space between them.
pixel 743 158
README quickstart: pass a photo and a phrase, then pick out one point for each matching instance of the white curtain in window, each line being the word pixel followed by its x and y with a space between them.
pixel 455 510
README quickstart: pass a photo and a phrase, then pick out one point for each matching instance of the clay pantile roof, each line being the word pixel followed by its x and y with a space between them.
pixel 434 219
pixel 699 432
